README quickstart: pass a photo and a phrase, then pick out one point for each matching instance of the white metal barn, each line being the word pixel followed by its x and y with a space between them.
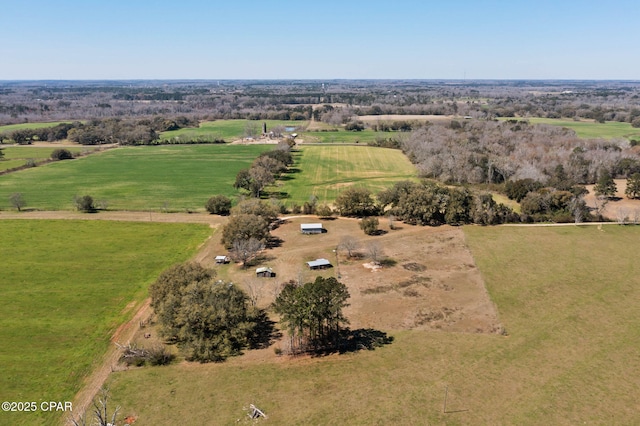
pixel 311 228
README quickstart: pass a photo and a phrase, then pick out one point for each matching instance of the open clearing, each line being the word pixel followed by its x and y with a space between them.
pixel 65 287
pixel 173 178
pixel 229 130
pixel 324 171
pixel 590 129
pixel 567 297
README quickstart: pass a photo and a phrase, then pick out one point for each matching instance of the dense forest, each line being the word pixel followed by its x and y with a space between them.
pixel 24 101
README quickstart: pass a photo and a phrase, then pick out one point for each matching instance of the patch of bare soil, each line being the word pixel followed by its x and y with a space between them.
pixel 618 208
pixel 429 280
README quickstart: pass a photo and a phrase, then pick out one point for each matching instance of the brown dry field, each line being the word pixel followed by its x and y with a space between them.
pixel 434 283
pixel 622 204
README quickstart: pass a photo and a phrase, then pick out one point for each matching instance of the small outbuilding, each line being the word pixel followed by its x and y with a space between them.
pixel 265 272
pixel 319 264
pixel 312 228
pixel 220 260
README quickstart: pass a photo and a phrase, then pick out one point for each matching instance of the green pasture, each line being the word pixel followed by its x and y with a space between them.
pixel 22 126
pixel 592 129
pixel 344 136
pixel 229 130
pixel 64 287
pixel 567 296
pixel 16 156
pixel 324 171
pixel 171 178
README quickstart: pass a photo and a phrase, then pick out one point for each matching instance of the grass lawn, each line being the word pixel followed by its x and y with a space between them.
pixel 16 156
pixel 567 296
pixel 135 178
pixel 324 171
pixel 229 130
pixel 592 129
pixel 64 288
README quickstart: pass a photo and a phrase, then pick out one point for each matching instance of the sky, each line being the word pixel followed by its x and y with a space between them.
pixel 348 39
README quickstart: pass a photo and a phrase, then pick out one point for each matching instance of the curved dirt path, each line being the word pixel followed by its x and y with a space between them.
pixel 123 335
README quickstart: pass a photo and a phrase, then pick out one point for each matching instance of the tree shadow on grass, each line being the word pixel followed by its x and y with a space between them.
pixel 363 339
pixel 356 340
pixel 265 332
pixel 273 242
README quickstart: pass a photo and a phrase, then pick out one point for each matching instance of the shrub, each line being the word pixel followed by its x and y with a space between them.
pixel 61 154
pixel 219 204
pixel 85 203
pixel 369 225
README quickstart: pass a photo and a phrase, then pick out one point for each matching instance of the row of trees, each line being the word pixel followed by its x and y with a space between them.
pixel 424 203
pixel 265 170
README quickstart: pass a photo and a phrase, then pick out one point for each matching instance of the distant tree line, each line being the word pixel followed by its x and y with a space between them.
pixel 106 131
pixel 341 100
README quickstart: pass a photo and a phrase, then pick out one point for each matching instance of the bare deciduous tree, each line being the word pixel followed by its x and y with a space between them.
pixel 375 252
pixel 350 244
pixel 100 411
pixel 245 250
pixel 17 200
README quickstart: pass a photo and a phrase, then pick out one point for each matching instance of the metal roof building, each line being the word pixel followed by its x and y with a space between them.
pixel 311 228
pixel 319 264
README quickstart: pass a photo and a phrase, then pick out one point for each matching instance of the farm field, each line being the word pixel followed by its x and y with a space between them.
pixel 65 287
pixel 592 129
pixel 567 297
pixel 16 156
pixel 324 171
pixel 156 178
pixel 344 136
pixel 229 130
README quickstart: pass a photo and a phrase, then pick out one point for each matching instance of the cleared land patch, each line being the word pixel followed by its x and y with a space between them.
pixel 591 129
pixel 171 178
pixel 65 287
pixel 567 296
pixel 324 171
pixel 228 130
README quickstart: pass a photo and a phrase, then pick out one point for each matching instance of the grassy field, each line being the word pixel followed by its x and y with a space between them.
pixel 229 130
pixel 327 170
pixel 567 296
pixel 16 156
pixel 343 136
pixel 21 126
pixel 592 129
pixel 64 288
pixel 135 178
